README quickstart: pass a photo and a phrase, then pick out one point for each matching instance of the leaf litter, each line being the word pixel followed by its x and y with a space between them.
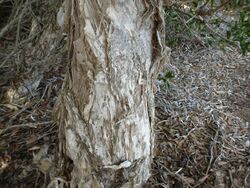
pixel 202 134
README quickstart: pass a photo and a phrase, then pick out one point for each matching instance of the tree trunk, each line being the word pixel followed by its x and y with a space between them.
pixel 106 111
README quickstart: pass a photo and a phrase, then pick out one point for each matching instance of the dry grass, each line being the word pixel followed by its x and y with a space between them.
pixel 203 133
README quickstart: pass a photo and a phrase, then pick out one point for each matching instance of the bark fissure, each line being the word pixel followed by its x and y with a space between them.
pixel 106 108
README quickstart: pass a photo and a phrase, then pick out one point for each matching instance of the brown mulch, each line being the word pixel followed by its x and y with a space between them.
pixel 203 133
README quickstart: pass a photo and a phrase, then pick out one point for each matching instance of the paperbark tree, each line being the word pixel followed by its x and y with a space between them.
pixel 106 107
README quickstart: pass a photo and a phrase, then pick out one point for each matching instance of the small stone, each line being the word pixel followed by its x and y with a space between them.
pixel 247 143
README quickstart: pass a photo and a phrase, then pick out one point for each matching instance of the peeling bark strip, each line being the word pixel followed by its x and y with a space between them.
pixel 106 107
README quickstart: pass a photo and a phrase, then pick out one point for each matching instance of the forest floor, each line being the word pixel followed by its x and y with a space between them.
pixel 202 114
pixel 202 134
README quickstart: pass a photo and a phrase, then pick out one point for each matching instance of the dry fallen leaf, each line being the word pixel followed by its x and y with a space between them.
pixel 4 162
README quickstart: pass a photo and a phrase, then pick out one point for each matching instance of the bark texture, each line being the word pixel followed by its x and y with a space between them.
pixel 106 111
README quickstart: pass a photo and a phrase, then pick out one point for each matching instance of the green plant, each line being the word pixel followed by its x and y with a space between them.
pixel 240 30
pixel 166 78
pixel 201 21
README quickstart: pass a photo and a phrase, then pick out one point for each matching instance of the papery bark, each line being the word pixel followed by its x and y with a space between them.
pixel 106 110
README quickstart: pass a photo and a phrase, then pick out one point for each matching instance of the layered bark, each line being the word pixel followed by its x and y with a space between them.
pixel 105 111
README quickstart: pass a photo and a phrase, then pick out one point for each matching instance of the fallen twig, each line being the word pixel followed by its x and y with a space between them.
pixel 32 125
